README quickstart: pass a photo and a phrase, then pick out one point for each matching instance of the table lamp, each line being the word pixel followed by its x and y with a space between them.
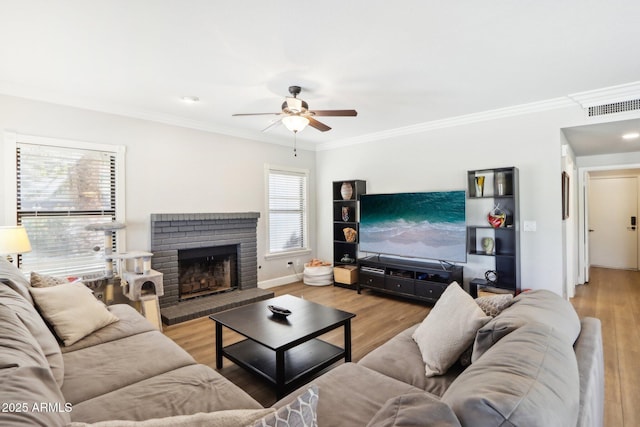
pixel 13 240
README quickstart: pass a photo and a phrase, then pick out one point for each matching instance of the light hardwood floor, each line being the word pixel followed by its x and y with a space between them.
pixel 612 295
pixel 378 318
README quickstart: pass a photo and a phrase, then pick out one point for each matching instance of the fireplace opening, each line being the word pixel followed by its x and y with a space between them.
pixel 206 271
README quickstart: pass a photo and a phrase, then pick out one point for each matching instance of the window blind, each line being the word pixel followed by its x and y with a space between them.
pixel 60 191
pixel 287 211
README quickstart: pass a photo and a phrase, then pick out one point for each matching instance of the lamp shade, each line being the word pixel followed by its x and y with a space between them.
pixel 295 123
pixel 14 240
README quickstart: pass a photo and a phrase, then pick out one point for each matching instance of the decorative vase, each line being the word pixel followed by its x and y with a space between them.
pixel 501 184
pixel 345 213
pixel 347 259
pixel 497 217
pixel 487 245
pixel 346 191
pixel 479 186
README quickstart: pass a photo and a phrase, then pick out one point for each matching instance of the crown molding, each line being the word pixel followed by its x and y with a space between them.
pixel 607 95
pixel 52 97
pixel 483 116
pixel 585 99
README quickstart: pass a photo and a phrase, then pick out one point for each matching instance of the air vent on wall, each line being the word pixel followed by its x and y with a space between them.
pixel 616 107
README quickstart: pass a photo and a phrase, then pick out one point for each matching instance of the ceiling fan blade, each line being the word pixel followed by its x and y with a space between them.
pixel 334 113
pixel 255 114
pixel 273 124
pixel 318 125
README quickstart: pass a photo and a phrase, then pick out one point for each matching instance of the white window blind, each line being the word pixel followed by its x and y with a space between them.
pixel 61 190
pixel 287 210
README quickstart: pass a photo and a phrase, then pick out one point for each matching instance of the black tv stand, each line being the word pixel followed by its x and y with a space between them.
pixel 418 280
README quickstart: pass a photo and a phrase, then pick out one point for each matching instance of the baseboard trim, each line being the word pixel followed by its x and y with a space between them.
pixel 279 281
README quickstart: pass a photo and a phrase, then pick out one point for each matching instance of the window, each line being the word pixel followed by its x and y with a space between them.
pixel 287 198
pixel 62 187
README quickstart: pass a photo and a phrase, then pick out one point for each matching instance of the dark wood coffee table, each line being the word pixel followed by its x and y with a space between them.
pixel 284 351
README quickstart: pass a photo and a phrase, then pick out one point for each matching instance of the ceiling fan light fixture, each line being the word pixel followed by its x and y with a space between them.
pixel 295 123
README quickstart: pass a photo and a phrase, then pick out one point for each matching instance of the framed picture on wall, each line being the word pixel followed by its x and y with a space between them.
pixel 565 195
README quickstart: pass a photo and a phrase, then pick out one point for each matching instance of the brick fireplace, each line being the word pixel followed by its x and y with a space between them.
pixel 172 233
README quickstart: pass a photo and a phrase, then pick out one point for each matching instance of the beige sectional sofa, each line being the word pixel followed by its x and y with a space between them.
pixel 535 364
pixel 126 370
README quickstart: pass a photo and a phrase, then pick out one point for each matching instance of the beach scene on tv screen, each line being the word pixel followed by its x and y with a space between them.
pixel 419 225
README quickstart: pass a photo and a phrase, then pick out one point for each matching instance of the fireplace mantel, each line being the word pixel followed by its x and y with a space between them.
pixel 171 232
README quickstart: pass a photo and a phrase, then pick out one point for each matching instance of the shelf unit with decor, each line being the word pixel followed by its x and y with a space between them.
pixel 500 187
pixel 346 214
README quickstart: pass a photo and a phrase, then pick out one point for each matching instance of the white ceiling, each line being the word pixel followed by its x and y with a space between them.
pixel 399 64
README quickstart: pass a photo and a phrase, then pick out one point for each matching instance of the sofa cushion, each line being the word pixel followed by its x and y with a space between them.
pixel 409 368
pixel 119 363
pixel 448 329
pixel 358 392
pixel 492 305
pixel 529 378
pixel 72 310
pixel 37 395
pixel 533 306
pixel 590 356
pixel 12 277
pixel 30 317
pixel 414 409
pixel 299 413
pixel 187 390
pixel 26 379
pixel 229 418
pixel 18 347
pixel 130 323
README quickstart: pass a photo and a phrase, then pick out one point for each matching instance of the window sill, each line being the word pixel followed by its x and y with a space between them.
pixel 287 254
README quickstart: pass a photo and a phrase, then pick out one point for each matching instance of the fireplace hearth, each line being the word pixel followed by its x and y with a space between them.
pixel 207 291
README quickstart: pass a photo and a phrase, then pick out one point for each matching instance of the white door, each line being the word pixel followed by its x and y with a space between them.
pixel 613 205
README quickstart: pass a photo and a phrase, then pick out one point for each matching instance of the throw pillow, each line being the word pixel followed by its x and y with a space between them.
pixel 72 310
pixel 43 281
pixel 226 418
pixel 494 304
pixel 414 409
pixel 448 329
pixel 299 413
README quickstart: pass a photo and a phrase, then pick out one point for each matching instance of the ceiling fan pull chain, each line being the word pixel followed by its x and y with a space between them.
pixel 295 141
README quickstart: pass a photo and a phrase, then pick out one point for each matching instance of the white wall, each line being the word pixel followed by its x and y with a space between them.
pixel 438 160
pixel 168 169
pixel 570 225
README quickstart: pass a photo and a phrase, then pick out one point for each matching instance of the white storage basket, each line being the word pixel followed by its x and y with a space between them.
pixel 321 275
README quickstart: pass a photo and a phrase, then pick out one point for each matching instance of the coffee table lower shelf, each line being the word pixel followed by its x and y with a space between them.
pixel 300 362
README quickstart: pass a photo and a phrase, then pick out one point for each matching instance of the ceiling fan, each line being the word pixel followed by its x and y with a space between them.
pixel 296 115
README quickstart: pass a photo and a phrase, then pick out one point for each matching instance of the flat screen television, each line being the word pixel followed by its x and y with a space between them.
pixel 417 225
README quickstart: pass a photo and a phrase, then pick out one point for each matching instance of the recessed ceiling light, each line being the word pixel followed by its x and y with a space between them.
pixel 631 135
pixel 190 99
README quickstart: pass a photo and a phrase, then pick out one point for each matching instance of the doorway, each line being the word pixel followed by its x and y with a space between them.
pixel 612 215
